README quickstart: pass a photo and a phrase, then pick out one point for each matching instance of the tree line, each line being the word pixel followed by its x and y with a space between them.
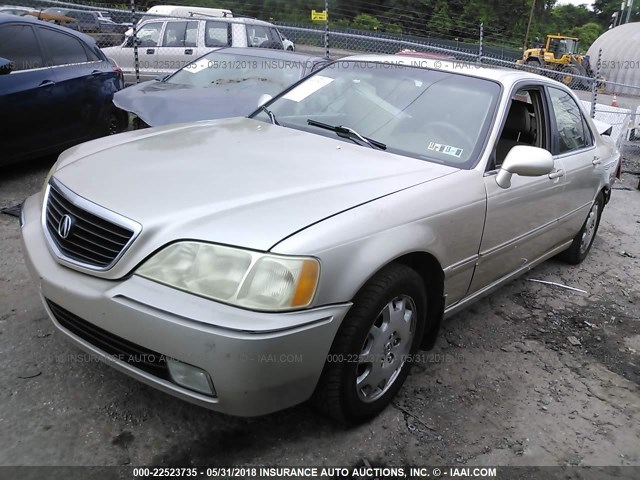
pixel 504 21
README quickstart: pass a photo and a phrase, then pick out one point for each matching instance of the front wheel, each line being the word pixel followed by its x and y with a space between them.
pixel 371 354
pixel 583 241
pixel 568 76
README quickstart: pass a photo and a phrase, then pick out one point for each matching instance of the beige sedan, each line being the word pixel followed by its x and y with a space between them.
pixel 311 250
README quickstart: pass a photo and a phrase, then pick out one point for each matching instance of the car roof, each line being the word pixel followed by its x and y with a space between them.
pixel 196 16
pixel 271 54
pixel 8 18
pixel 63 9
pixel 502 75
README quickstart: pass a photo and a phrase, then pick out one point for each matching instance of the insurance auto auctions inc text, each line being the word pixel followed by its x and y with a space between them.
pixel 376 472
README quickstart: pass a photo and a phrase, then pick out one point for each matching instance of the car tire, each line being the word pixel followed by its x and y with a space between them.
pixel 532 65
pixel 568 76
pixel 375 342
pixel 583 241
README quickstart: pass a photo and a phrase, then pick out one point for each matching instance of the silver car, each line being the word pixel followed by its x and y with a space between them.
pixel 311 250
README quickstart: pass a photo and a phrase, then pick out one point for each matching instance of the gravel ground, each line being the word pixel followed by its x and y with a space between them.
pixel 532 375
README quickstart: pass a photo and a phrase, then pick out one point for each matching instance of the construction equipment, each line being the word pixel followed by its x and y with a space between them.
pixel 560 54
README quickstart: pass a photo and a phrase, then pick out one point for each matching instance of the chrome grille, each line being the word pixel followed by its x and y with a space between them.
pixel 83 233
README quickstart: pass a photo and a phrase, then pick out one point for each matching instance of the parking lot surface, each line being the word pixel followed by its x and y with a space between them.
pixel 535 374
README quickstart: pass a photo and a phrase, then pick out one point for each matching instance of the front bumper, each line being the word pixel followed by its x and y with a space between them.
pixel 268 363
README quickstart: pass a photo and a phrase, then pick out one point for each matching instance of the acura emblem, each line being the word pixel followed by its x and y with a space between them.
pixel 64 227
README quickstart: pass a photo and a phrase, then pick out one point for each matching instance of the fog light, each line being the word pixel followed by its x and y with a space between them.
pixel 190 377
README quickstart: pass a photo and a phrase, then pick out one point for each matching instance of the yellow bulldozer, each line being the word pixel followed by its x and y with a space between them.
pixel 560 54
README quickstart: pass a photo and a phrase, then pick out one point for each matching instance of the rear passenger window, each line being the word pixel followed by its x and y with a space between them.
pixel 191 35
pixel 573 132
pixel 93 56
pixel 180 34
pixel 63 49
pixel 217 34
pixel 18 43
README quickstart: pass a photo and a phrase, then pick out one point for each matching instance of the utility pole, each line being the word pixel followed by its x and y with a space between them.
pixel 526 36
pixel 326 29
pixel 629 8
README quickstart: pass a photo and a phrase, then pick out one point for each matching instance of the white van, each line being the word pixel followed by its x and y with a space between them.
pixel 163 11
pixel 166 44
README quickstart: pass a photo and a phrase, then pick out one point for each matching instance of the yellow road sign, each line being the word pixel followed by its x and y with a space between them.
pixel 319 16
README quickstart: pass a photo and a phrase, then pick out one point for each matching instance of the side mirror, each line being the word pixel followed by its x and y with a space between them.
pixel 524 161
pixel 264 98
pixel 6 66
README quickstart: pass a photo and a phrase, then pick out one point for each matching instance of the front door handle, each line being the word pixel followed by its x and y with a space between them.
pixel 188 51
pixel 556 174
pixel 596 161
pixel 150 51
pixel 47 83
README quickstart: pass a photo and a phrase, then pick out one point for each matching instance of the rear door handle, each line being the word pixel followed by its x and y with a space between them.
pixel 47 83
pixel 556 174
pixel 188 51
pixel 150 51
pixel 596 161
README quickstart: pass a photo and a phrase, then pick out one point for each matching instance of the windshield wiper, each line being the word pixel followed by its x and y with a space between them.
pixel 347 132
pixel 270 114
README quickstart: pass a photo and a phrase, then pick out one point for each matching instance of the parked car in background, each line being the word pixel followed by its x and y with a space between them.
pixel 105 31
pixel 56 89
pixel 86 21
pixel 310 250
pixel 108 25
pixel 103 15
pixel 286 43
pixel 14 10
pixel 167 44
pixel 228 82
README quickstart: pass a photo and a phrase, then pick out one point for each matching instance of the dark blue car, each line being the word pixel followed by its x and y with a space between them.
pixel 56 89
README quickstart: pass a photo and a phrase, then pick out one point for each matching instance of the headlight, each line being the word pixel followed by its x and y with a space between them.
pixel 232 275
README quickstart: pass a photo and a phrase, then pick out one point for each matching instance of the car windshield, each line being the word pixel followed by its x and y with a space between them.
pixel 239 72
pixel 428 114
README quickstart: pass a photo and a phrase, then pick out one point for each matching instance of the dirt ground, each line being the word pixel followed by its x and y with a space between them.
pixel 532 375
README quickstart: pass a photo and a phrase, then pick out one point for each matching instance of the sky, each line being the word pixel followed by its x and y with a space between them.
pixel 576 2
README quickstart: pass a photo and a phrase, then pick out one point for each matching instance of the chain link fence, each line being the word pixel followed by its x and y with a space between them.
pixel 142 51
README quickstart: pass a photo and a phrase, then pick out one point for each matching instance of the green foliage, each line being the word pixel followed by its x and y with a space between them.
pixel 440 21
pixel 505 21
pixel 392 28
pixel 587 34
pixel 365 21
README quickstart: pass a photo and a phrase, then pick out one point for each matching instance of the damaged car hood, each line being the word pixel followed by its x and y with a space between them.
pixel 162 103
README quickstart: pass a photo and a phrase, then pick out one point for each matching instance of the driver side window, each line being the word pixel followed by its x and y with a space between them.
pixel 524 124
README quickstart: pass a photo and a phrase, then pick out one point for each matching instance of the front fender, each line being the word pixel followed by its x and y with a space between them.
pixel 444 218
